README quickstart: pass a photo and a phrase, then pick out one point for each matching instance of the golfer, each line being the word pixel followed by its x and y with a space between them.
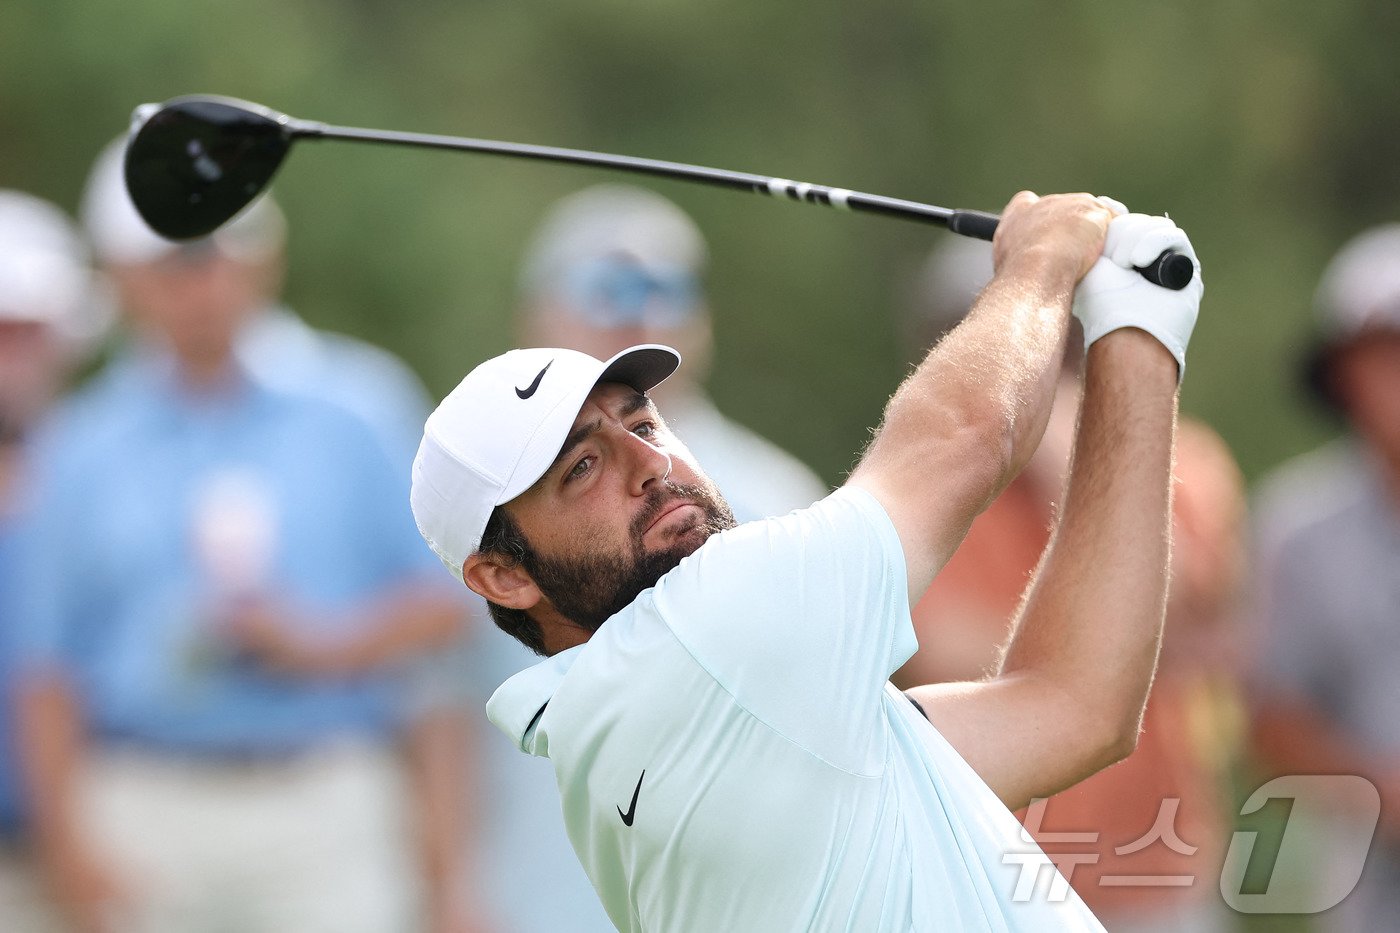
pixel 714 699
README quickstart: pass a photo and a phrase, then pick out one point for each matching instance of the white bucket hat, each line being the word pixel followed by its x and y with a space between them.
pixel 500 430
pixel 44 272
pixel 120 236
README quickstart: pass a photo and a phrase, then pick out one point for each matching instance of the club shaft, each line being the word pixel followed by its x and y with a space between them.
pixel 1171 269
pixel 841 198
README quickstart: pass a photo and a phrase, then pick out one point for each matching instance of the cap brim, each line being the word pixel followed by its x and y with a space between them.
pixel 642 367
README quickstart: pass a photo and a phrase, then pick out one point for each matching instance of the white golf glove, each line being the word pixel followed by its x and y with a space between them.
pixel 1113 294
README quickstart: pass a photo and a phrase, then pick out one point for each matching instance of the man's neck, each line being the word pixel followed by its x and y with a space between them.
pixel 563 636
pixel 207 374
pixel 559 633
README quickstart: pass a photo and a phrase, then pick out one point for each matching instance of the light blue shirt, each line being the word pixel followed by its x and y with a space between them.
pixel 282 352
pixel 154 502
pixel 11 810
pixel 731 756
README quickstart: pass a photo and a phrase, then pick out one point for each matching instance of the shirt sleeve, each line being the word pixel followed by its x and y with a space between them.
pixel 802 619
pixel 49 583
pixel 1294 652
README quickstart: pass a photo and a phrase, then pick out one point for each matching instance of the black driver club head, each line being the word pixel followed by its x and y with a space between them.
pixel 194 162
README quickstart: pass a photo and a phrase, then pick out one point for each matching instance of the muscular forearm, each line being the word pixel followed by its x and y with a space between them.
pixel 1069 693
pixel 998 370
pixel 971 415
pixel 1091 624
pixel 974 410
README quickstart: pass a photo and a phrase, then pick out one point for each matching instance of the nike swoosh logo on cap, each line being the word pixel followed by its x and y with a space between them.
pixel 530 390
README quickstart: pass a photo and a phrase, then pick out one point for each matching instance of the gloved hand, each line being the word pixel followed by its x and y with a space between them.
pixel 1114 295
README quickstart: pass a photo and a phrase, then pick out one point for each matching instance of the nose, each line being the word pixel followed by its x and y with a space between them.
pixel 651 465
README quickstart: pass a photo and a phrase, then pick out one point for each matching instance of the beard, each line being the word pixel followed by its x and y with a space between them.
pixel 591 587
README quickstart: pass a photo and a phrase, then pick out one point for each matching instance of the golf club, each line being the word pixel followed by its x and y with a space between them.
pixel 194 162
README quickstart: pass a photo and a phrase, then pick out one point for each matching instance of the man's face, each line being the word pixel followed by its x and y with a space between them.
pixel 196 299
pixel 1367 377
pixel 622 504
pixel 32 366
pixel 603 305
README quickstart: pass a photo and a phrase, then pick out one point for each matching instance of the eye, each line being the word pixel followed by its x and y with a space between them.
pixel 647 429
pixel 579 470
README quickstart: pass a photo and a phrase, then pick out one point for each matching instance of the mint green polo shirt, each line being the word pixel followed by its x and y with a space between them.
pixel 731 756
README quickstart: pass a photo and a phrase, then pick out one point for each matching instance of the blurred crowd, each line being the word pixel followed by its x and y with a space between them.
pixel 237 692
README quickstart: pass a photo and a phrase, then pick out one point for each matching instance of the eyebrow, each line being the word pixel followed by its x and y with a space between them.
pixel 633 404
pixel 630 406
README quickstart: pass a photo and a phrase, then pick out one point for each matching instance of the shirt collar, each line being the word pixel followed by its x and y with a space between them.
pixel 148 366
pixel 516 705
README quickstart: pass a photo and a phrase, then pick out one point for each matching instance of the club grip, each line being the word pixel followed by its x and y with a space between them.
pixel 977 224
pixel 1170 270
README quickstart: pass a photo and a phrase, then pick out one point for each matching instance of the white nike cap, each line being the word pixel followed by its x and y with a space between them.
pixel 500 430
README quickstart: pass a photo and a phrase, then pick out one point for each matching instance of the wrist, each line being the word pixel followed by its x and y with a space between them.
pixel 1054 271
pixel 1133 354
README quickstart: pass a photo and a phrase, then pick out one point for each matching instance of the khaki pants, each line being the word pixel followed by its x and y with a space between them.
pixel 315 844
pixel 24 907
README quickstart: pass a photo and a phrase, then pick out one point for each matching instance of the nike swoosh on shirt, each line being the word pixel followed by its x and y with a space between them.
pixel 631 813
pixel 530 390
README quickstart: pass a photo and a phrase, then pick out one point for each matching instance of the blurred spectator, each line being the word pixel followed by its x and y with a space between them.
pixel 1328 560
pixel 226 607
pixel 47 321
pixel 1162 813
pixel 613 266
pixel 609 267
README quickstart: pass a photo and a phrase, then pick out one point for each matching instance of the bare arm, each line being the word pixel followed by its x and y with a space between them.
pixel 438 745
pixel 1069 695
pixel 971 415
pixel 52 746
pixel 406 621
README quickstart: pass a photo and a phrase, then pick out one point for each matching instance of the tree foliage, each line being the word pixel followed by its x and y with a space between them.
pixel 1267 130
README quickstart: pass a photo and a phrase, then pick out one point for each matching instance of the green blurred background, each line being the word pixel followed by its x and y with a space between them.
pixel 1267 130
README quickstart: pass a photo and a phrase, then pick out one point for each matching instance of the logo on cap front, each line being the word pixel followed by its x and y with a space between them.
pixel 530 390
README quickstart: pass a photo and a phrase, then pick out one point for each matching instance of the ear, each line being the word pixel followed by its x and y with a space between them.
pixel 502 583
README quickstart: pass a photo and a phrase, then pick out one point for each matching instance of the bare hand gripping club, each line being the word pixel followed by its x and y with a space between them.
pixel 194 162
